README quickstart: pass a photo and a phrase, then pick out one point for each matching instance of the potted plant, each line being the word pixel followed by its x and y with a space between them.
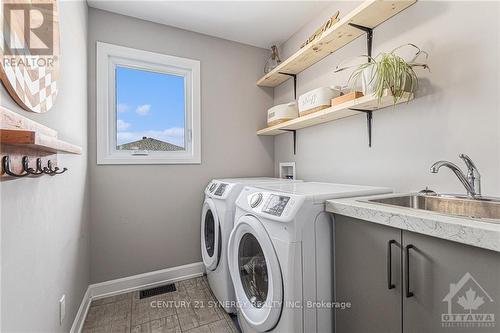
pixel 388 72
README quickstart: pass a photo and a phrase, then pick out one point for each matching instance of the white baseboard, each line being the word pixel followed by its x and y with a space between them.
pixel 132 283
pixel 82 313
pixel 150 279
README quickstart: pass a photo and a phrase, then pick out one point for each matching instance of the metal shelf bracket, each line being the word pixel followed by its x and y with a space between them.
pixel 369 46
pixel 294 83
pixel 369 123
pixel 294 133
pixel 369 37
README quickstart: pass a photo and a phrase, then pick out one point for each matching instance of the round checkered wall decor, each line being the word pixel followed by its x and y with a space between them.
pixel 30 52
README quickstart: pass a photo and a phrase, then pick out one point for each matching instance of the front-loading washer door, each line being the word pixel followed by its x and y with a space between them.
pixel 256 274
pixel 210 235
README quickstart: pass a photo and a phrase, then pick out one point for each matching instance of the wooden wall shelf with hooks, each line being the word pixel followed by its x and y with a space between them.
pixel 22 137
pixel 369 14
pixel 35 140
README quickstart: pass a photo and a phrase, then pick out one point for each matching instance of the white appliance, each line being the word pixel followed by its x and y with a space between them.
pixel 281 113
pixel 280 256
pixel 317 99
pixel 217 219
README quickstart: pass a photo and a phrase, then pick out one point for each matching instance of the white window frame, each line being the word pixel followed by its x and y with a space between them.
pixel 110 56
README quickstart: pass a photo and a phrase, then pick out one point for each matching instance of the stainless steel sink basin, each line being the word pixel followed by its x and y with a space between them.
pixel 487 208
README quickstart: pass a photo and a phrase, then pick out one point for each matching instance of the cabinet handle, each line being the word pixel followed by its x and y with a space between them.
pixel 390 285
pixel 407 264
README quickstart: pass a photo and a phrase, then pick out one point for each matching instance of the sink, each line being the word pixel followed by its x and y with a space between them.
pixel 487 208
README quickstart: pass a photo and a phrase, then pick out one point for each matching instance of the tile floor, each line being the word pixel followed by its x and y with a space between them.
pixel 192 308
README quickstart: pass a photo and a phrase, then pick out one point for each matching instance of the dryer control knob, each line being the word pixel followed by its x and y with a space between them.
pixel 212 187
pixel 255 200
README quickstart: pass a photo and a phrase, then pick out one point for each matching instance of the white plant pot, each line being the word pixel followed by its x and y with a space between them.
pixel 368 81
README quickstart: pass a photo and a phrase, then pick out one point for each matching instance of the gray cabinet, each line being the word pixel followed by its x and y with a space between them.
pixel 453 286
pixel 439 285
pixel 361 277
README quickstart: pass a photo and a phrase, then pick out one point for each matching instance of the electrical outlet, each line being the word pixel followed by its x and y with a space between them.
pixel 62 308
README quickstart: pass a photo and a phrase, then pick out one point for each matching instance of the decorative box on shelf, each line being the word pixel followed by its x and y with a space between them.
pixel 316 100
pixel 281 113
pixel 346 97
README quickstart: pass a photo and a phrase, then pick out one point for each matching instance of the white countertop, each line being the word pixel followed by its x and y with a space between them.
pixel 475 232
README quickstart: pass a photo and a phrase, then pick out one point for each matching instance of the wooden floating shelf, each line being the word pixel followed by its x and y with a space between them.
pixel 38 141
pixel 21 138
pixel 367 103
pixel 369 14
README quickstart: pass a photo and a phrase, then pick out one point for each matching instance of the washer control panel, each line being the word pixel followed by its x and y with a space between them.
pixel 212 187
pixel 275 204
pixel 221 189
pixel 255 200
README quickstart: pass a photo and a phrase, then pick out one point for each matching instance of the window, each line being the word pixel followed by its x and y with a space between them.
pixel 148 107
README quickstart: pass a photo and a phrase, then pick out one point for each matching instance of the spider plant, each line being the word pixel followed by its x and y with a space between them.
pixel 389 71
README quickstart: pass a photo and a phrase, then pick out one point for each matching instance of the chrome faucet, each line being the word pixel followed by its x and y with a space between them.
pixel 473 175
pixel 471 182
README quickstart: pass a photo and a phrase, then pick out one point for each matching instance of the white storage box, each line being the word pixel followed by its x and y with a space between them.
pixel 281 113
pixel 316 100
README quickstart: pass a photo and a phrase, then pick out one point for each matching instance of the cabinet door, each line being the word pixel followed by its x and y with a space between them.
pixel 361 277
pixel 455 287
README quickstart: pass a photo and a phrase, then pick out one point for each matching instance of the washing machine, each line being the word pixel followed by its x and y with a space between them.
pixel 217 219
pixel 280 256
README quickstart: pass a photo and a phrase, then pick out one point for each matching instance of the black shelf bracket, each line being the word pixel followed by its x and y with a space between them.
pixel 369 123
pixel 294 133
pixel 369 37
pixel 294 83
pixel 369 45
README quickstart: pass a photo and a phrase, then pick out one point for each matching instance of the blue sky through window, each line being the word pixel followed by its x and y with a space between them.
pixel 149 104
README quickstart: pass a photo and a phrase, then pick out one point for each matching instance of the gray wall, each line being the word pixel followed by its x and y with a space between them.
pixel 44 229
pixel 456 109
pixel 146 218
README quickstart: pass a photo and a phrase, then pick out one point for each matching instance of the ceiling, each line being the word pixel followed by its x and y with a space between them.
pixel 257 23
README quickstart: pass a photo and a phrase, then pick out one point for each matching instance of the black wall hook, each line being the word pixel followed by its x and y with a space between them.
pixel 50 170
pixel 37 171
pixel 31 171
pixel 6 168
